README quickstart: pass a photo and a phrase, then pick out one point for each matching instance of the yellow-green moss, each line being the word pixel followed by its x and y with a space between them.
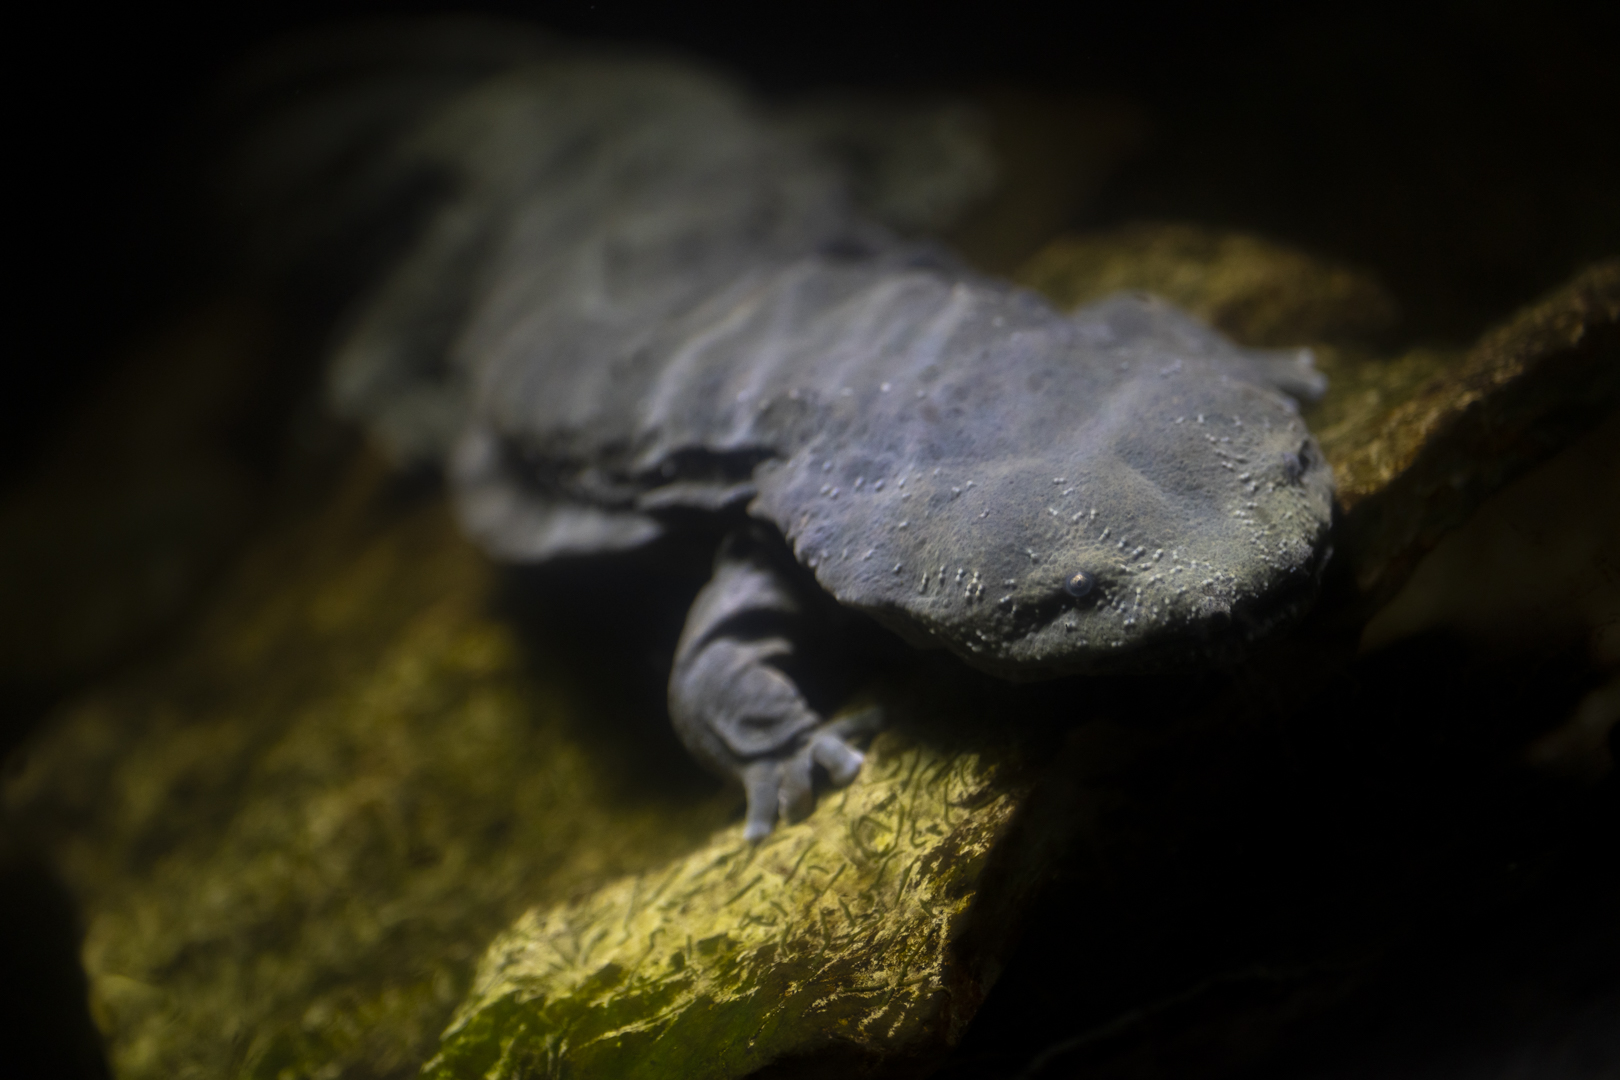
pixel 834 934
pixel 293 836
pixel 1259 292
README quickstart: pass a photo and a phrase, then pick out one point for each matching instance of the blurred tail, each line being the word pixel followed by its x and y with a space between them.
pixel 328 201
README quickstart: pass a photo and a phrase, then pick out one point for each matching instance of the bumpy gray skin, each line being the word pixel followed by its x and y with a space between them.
pixel 637 297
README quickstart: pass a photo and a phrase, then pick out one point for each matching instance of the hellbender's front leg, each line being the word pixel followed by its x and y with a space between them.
pixel 733 700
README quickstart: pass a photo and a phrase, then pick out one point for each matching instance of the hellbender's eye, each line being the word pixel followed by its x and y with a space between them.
pixel 1079 583
pixel 1298 463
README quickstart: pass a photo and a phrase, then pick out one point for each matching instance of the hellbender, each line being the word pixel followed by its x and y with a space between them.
pixel 625 298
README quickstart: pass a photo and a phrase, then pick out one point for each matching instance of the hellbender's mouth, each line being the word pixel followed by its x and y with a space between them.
pixel 1109 629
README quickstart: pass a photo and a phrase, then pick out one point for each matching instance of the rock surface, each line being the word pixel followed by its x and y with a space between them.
pixel 292 835
pixel 1257 291
pixel 1414 465
pixel 835 940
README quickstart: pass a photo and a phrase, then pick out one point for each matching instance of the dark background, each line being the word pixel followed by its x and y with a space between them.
pixel 1466 153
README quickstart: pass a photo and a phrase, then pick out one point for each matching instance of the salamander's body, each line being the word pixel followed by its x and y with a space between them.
pixel 634 297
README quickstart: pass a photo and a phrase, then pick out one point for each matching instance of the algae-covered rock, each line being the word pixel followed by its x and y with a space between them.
pixel 292 835
pixel 1533 569
pixel 1416 468
pixel 1257 291
pixel 295 832
pixel 837 939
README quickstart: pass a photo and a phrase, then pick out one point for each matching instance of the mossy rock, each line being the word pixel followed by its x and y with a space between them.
pixel 1257 291
pixel 1418 442
pixel 836 939
pixel 293 833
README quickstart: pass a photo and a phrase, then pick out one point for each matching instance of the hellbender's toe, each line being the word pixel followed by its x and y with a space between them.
pixel 762 781
pixel 842 761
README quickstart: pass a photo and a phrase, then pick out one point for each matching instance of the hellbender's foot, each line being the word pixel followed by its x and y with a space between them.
pixel 734 703
pixel 785 784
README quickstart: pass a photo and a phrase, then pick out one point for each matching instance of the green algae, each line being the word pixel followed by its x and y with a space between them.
pixel 293 837
pixel 833 936
pixel 1257 291
pixel 1445 432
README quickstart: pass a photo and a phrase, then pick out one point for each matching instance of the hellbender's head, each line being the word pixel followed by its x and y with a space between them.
pixel 1125 492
